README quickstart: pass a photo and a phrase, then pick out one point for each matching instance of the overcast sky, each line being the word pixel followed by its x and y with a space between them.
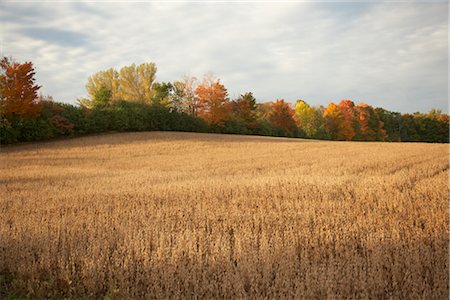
pixel 390 54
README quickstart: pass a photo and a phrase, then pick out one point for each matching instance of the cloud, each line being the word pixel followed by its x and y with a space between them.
pixel 392 55
pixel 55 36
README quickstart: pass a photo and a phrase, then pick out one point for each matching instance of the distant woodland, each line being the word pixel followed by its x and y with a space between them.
pixel 130 99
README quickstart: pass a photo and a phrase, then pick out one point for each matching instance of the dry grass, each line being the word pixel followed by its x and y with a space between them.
pixel 179 215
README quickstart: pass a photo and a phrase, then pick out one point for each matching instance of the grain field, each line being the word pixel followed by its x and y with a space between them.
pixel 181 215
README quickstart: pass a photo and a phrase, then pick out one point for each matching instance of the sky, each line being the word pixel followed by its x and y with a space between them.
pixel 390 54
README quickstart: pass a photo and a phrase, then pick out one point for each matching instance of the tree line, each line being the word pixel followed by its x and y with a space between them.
pixel 130 99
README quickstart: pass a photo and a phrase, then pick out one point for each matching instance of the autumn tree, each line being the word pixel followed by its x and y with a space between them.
pixel 391 123
pixel 18 90
pixel 135 82
pixel 188 103
pixel 333 119
pixel 104 80
pixel 310 119
pixel 347 125
pixel 212 101
pixel 130 83
pixel 370 126
pixel 244 110
pixel 281 117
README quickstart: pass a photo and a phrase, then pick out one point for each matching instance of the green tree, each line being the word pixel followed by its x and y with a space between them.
pixel 102 97
pixel 391 123
pixel 169 94
pixel 244 111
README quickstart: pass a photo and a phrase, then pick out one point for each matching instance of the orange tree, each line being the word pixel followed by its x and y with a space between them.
pixel 281 117
pixel 213 104
pixel 18 91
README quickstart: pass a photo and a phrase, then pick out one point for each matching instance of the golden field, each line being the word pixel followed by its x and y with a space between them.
pixel 182 215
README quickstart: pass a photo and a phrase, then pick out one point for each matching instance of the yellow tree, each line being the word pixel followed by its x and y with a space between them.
pixel 131 83
pixel 333 118
pixel 135 82
pixel 306 118
pixel 108 79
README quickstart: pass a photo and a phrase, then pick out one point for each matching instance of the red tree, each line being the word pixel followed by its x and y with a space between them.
pixel 346 127
pixel 18 91
pixel 281 116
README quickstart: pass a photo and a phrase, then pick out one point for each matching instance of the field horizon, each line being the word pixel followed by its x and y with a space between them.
pixel 202 215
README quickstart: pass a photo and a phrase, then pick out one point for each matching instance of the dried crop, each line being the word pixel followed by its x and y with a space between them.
pixel 181 215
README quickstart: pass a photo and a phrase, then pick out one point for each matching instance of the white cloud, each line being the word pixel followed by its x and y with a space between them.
pixel 392 55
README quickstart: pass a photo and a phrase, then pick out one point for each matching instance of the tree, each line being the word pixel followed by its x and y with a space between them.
pixel 429 127
pixel 168 94
pixel 161 92
pixel 244 110
pixel 333 119
pixel 188 103
pixel 281 117
pixel 391 123
pixel 347 125
pixel 108 79
pixel 135 82
pixel 18 91
pixel 212 102
pixel 131 83
pixel 102 97
pixel 370 126
pixel 310 119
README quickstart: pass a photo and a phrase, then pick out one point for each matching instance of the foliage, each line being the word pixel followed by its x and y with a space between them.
pixel 213 104
pixel 131 83
pixel 135 82
pixel 108 79
pixel 102 97
pixel 391 123
pixel 346 126
pixel 370 128
pixel 429 127
pixel 281 118
pixel 169 95
pixel 131 100
pixel 244 113
pixel 310 120
pixel 333 119
pixel 187 86
pixel 18 91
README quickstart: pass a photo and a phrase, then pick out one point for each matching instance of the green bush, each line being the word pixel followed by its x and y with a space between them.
pixel 8 133
pixel 234 126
